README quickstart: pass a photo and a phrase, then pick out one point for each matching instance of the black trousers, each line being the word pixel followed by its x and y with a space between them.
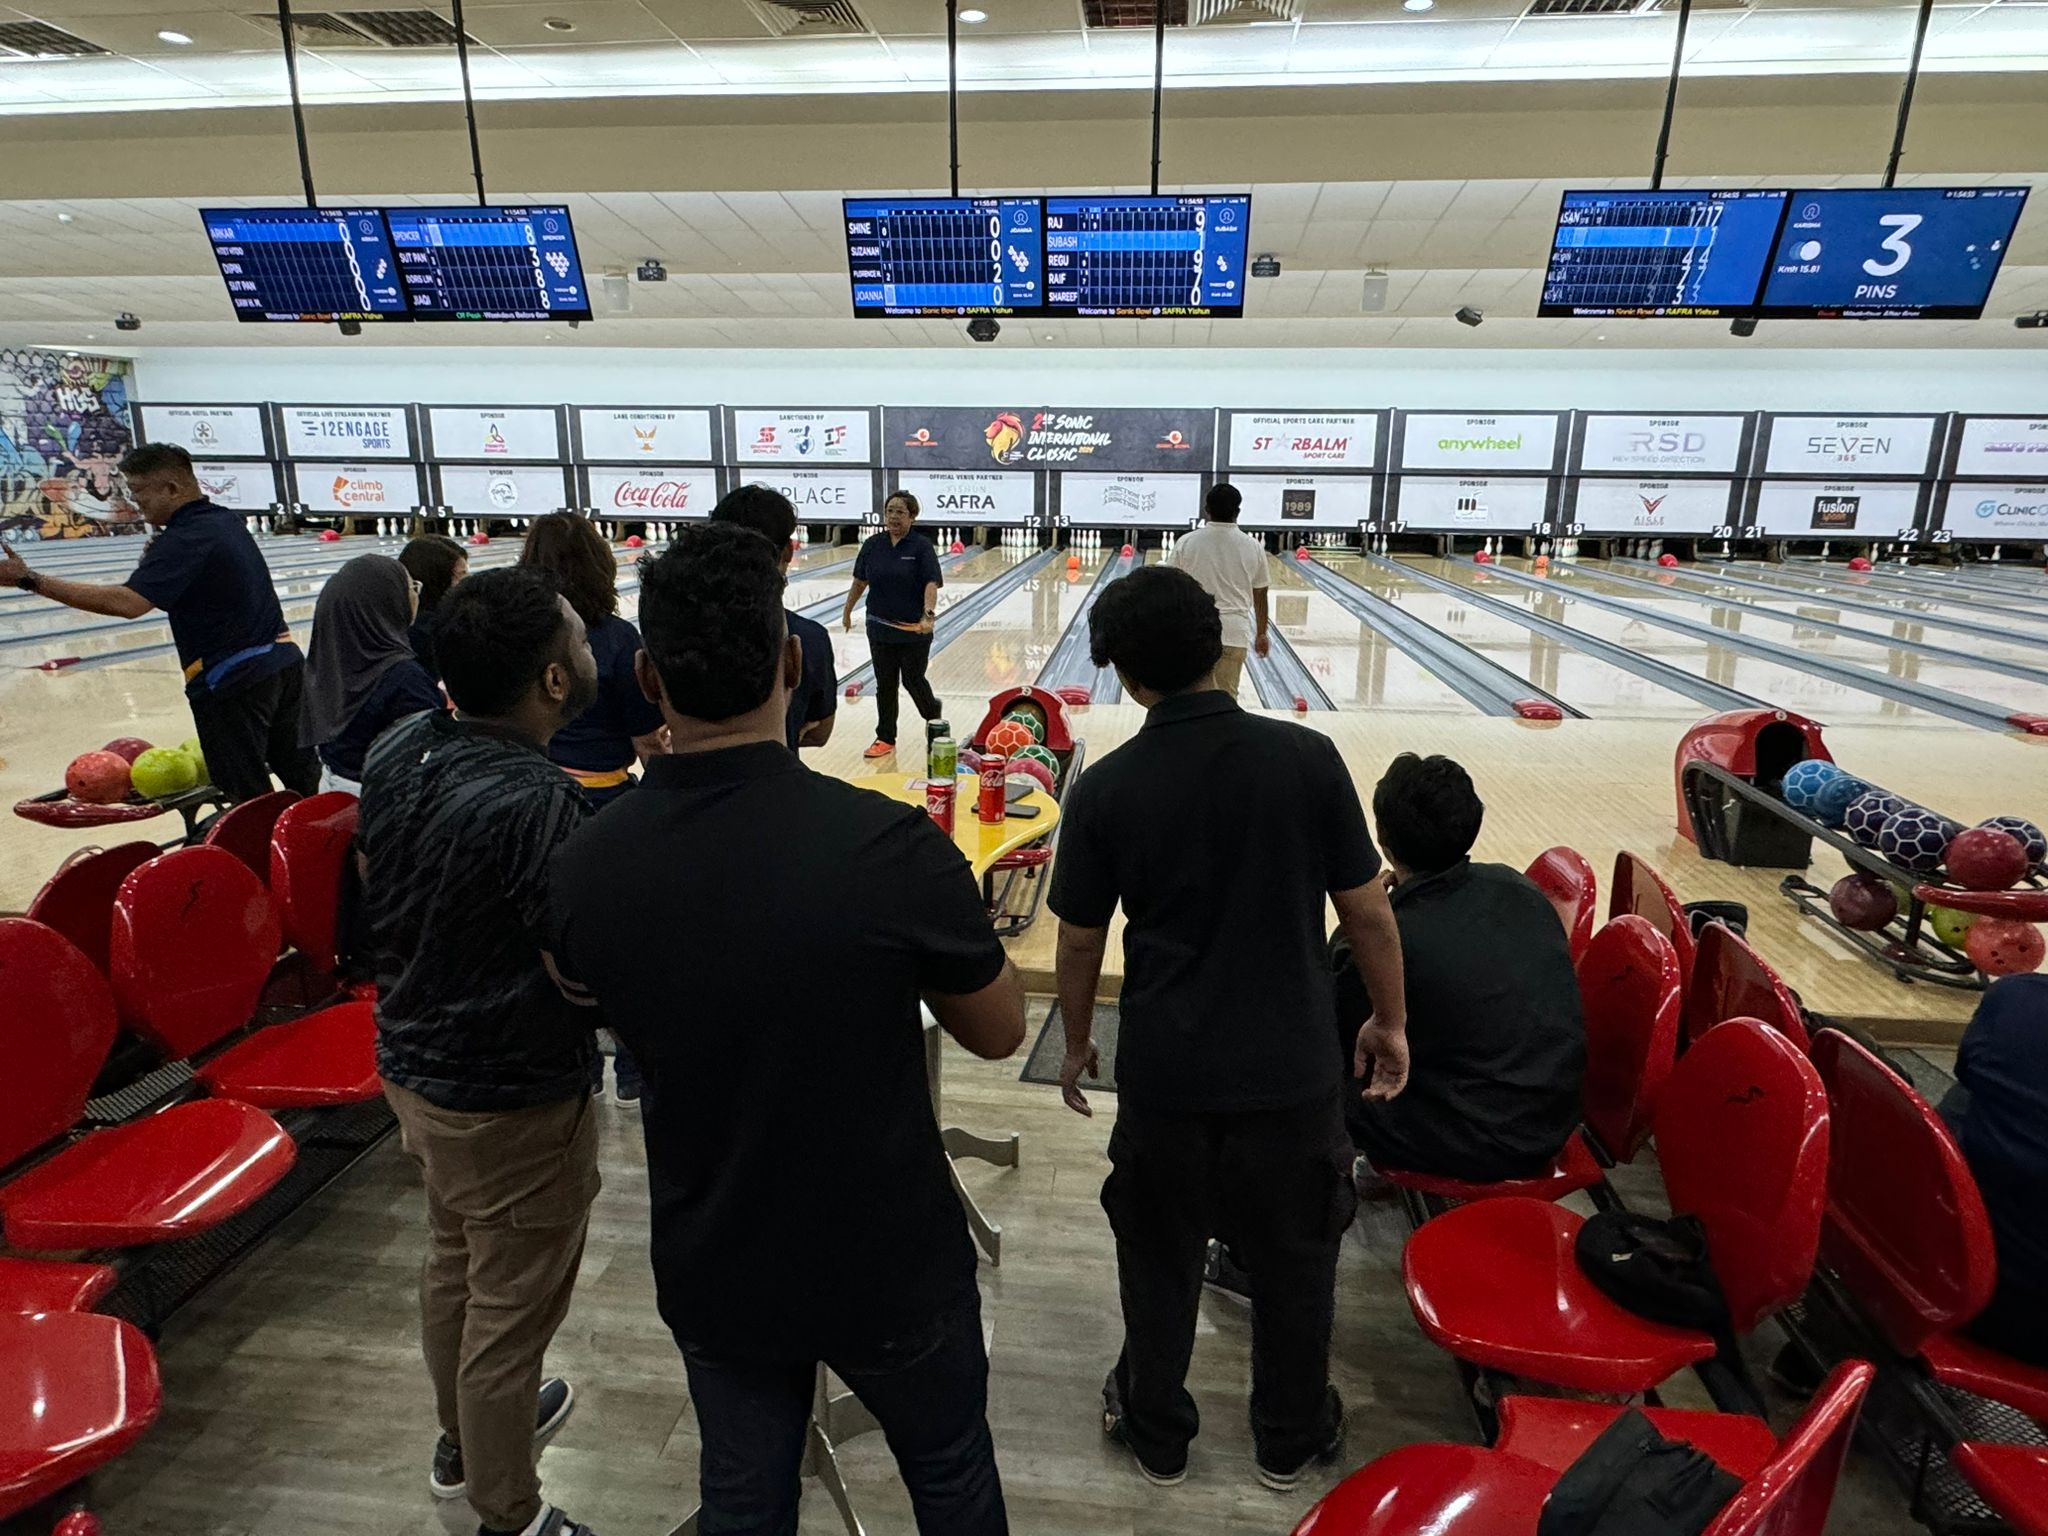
pixel 900 657
pixel 1277 1183
pixel 251 732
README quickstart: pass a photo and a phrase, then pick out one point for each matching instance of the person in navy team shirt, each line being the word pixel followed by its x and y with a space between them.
pixel 436 563
pixel 362 677
pixel 815 699
pixel 899 571
pixel 244 675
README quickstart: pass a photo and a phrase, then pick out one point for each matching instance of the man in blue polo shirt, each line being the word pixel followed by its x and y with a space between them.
pixel 243 673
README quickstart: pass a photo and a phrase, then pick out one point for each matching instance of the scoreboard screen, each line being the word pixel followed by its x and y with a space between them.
pixel 318 264
pixel 1181 257
pixel 943 256
pixel 1641 254
pixel 1915 253
pixel 489 263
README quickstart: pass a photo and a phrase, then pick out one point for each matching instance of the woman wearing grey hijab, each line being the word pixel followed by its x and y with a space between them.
pixel 362 676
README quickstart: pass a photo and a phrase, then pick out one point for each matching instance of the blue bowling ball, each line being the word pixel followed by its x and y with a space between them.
pixel 1866 815
pixel 1836 796
pixel 1804 783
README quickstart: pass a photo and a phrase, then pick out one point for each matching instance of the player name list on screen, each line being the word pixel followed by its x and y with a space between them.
pixel 489 263
pixel 1180 257
pixel 306 263
pixel 945 256
pixel 1697 255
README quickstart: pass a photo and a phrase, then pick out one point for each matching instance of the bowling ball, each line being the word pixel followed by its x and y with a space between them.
pixel 1865 816
pixel 127 748
pixel 164 771
pixel 1667 560
pixel 1029 719
pixel 1037 754
pixel 2001 946
pixel 329 536
pixel 1835 798
pixel 97 778
pixel 1863 902
pixel 1073 562
pixel 634 541
pixel 1034 770
pixel 1916 838
pixel 1542 564
pixel 1986 859
pixel 1949 925
pixel 1803 783
pixel 1859 564
pixel 956 548
pixel 1005 737
pixel 1127 551
pixel 197 753
pixel 1482 558
pixel 2030 836
pixel 1300 552
pixel 479 538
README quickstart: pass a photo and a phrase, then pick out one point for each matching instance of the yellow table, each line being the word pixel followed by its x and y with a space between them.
pixel 982 845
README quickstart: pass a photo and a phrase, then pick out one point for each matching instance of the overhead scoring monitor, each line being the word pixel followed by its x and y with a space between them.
pixel 1687 254
pixel 313 264
pixel 490 263
pixel 1182 257
pixel 941 256
pixel 1919 253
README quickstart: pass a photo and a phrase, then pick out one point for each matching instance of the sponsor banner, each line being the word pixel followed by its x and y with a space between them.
pixel 1834 509
pixel 1834 445
pixel 838 435
pixel 1652 506
pixel 971 496
pixel 650 493
pixel 1303 440
pixel 1492 441
pixel 1046 437
pixel 364 489
pixel 1130 501
pixel 1661 445
pixel 823 495
pixel 500 490
pixel 205 431
pixel 2013 512
pixel 360 431
pixel 643 434
pixel 2002 445
pixel 508 433
pixel 238 487
pixel 1304 501
pixel 1471 504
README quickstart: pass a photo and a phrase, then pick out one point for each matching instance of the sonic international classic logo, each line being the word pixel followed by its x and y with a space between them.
pixel 1004 434
pixel 494 441
pixel 352 492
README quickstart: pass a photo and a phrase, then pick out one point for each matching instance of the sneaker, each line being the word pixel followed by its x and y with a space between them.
pixel 549 1522
pixel 1113 1426
pixel 628 1096
pixel 557 1397
pixel 1220 1272
pixel 1286 1482
pixel 881 749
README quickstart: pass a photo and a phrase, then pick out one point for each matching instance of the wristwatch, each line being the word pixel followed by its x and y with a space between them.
pixel 28 581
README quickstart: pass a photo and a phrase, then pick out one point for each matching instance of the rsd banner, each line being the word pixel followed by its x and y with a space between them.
pixel 1846 445
pixel 360 431
pixel 971 495
pixel 834 435
pixel 506 433
pixel 1045 437
pixel 649 492
pixel 238 487
pixel 639 434
pixel 1613 443
pixel 1472 504
pixel 1482 442
pixel 1303 440
pixel 2000 445
pixel 500 490
pixel 205 431
pixel 2018 513
pixel 1129 501
pixel 363 489
pixel 1304 501
pixel 1868 509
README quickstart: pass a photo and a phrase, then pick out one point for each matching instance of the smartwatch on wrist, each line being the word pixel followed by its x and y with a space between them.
pixel 29 581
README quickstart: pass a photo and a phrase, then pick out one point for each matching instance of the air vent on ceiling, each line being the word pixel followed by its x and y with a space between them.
pixel 317 29
pixel 1244 13
pixel 1663 7
pixel 1625 7
pixel 40 40
pixel 1132 13
pixel 809 18
pixel 404 29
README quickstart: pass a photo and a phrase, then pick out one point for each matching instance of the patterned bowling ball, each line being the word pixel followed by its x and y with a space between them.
pixel 1836 796
pixel 1916 838
pixel 1865 816
pixel 2030 836
pixel 1804 783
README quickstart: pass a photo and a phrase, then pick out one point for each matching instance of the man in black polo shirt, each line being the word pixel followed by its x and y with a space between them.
pixel 243 673
pixel 760 936
pixel 814 701
pixel 1221 834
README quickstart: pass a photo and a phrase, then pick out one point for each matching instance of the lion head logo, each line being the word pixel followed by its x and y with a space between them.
pixel 1003 434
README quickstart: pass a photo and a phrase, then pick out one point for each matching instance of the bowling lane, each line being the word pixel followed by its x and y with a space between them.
pixel 1357 666
pixel 1958 678
pixel 1006 646
pixel 1779 683
pixel 2027 622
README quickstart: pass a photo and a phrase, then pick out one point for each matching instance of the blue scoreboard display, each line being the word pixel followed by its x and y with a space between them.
pixel 1668 255
pixel 1891 253
pixel 318 264
pixel 489 263
pixel 1181 257
pixel 941 256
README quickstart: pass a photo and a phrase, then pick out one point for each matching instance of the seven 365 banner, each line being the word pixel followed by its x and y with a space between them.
pixel 1048 437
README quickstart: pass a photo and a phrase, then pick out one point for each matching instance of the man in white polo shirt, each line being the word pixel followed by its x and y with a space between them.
pixel 1231 566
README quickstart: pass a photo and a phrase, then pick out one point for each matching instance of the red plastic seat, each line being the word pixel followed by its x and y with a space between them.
pixel 1567 879
pixel 1742 1135
pixel 1631 996
pixel 51 1285
pixel 195 937
pixel 244 830
pixel 326 1058
pixel 1573 1168
pixel 1958 1361
pixel 1555 1431
pixel 1435 1490
pixel 309 853
pixel 1792 1495
pixel 1731 981
pixel 1637 888
pixel 76 1390
pixel 78 900
pixel 2013 1479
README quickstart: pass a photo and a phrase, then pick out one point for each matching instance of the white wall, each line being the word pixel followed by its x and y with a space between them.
pixel 1855 379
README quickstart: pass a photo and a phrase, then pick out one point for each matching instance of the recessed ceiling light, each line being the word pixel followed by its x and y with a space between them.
pixel 67 218
pixel 559 24
pixel 91 336
pixel 974 18
pixel 179 38
pixel 1418 5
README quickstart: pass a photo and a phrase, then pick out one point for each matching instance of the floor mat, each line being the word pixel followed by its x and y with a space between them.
pixel 1050 1049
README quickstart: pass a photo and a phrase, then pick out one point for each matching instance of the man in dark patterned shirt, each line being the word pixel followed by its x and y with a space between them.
pixel 484 1064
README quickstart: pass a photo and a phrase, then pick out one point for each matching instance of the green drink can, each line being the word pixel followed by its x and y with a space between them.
pixel 943 761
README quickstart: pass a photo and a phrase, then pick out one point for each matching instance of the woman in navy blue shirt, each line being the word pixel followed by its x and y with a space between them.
pixel 362 677
pixel 436 563
pixel 899 571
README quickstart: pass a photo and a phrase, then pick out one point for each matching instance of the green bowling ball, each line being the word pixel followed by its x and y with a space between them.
pixel 1949 925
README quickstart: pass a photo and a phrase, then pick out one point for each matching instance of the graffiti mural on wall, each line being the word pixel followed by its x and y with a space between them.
pixel 63 429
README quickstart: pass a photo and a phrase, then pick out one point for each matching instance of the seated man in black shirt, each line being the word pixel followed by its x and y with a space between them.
pixel 1221 834
pixel 1496 1042
pixel 760 936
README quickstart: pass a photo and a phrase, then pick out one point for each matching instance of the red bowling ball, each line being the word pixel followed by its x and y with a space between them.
pixel 98 778
pixel 1859 564
pixel 1863 902
pixel 1667 560
pixel 2001 946
pixel 1986 859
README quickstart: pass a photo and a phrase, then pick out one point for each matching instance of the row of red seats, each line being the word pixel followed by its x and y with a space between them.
pixel 176 948
pixel 1788 1150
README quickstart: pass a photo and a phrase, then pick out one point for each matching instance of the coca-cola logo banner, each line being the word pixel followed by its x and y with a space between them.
pixel 646 493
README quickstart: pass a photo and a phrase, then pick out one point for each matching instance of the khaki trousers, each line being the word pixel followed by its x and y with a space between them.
pixel 1230 669
pixel 508 1202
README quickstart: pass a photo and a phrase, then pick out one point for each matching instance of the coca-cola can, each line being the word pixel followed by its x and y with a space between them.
pixel 993 804
pixel 939 797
